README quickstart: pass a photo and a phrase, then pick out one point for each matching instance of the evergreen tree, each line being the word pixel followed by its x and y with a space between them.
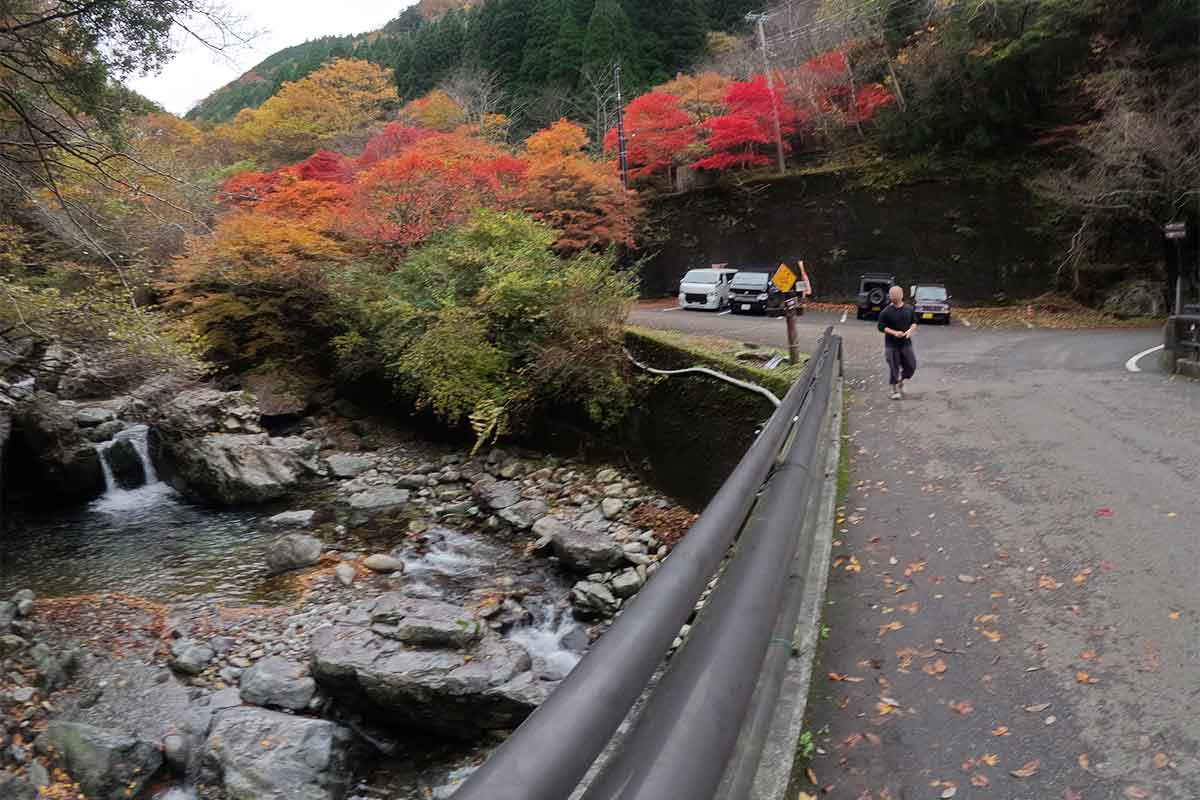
pixel 547 18
pixel 566 57
pixel 730 15
pixel 501 31
pixel 684 36
pixel 610 40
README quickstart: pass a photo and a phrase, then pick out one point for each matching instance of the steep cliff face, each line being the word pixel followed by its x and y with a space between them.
pixel 983 239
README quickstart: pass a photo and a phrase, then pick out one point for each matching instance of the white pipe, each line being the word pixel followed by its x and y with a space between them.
pixel 753 387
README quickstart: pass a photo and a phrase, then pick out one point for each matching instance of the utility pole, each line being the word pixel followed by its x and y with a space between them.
pixel 622 153
pixel 760 20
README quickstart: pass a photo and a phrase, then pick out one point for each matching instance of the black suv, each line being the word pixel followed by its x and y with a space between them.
pixel 873 293
pixel 754 293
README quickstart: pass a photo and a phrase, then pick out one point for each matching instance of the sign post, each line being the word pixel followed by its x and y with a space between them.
pixel 1177 232
pixel 785 280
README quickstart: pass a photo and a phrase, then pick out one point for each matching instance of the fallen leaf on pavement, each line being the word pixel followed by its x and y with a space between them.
pixel 966 579
pixel 1069 794
pixel 1084 760
pixel 1047 582
pixel 891 626
pixel 911 608
pixel 1160 760
pixel 805 796
pixel 1000 730
pixel 1087 653
pixel 1173 616
pixel 934 667
pixel 1028 770
pixel 1081 578
pixel 979 780
pixel 1136 793
pixel 992 636
pixel 962 707
pixel 1104 512
pixel 1083 677
pixel 949 792
pixel 883 708
pixel 1037 708
pixel 986 618
pixel 991 759
pixel 853 566
pixel 873 738
pixel 916 566
pixel 812 776
pixel 837 676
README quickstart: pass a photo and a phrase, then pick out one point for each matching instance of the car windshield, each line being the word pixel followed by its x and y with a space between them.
pixel 753 280
pixel 932 294
pixel 701 276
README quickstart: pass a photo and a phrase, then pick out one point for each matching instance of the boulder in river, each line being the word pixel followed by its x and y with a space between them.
pixel 258 754
pixel 91 416
pixel 348 465
pixel 495 495
pixel 232 469
pixel 65 466
pixel 292 519
pixel 190 657
pixel 425 665
pixel 106 764
pixel 293 551
pixel 523 514
pixel 199 411
pixel 378 498
pixel 580 550
pixel 276 682
pixel 126 464
pixel 381 562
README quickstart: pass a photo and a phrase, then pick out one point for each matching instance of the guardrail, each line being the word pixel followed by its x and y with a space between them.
pixel 684 737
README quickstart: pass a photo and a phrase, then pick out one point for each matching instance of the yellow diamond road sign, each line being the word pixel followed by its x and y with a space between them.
pixel 784 278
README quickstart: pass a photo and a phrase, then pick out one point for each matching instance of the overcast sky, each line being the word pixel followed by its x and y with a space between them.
pixel 197 71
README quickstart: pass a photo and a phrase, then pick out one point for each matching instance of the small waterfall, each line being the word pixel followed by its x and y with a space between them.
pixel 152 489
pixel 547 641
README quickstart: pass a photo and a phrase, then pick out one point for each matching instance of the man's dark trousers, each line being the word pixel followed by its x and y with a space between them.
pixel 902 362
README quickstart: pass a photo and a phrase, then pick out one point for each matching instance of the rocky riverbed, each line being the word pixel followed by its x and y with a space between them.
pixel 401 606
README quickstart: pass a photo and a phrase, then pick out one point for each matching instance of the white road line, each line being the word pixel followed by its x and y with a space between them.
pixel 723 313
pixel 843 319
pixel 675 308
pixel 1132 363
pixel 966 322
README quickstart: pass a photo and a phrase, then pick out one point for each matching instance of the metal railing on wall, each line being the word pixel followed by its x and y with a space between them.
pixel 684 736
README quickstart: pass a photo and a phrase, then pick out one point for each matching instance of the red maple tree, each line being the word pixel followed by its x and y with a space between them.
pixel 740 137
pixel 659 134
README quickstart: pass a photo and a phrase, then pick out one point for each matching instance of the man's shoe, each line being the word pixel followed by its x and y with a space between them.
pixel 896 395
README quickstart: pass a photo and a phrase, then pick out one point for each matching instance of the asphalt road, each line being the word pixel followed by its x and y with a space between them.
pixel 1014 607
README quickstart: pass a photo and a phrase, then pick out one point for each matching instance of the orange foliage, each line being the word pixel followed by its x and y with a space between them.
pixel 580 197
pixel 249 248
pixel 702 95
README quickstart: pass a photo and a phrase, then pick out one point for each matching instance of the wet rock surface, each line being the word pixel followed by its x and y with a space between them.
pixel 107 765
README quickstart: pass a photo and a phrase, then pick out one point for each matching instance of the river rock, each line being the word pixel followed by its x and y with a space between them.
pixel 425 665
pixel 607 476
pixel 522 515
pixel 610 507
pixel 104 432
pixel 626 584
pixel 580 550
pixel 495 495
pixel 106 764
pixel 383 563
pixel 190 657
pixel 65 466
pixel 293 551
pixel 279 393
pixel 348 465
pixel 196 412
pixel 593 598
pixel 8 613
pixel 91 416
pixel 278 682
pixel 232 469
pixel 125 463
pixel 378 498
pixel 292 519
pixel 414 481
pixel 344 573
pixel 267 755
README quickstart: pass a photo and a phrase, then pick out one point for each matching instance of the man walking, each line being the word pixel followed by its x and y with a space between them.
pixel 898 322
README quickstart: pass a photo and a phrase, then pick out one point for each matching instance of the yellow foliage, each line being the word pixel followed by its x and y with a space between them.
pixel 435 111
pixel 343 97
pixel 701 95
pixel 561 139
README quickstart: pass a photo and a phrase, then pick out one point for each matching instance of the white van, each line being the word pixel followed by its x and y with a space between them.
pixel 706 288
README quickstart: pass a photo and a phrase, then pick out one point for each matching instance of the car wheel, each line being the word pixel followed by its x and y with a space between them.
pixel 859 314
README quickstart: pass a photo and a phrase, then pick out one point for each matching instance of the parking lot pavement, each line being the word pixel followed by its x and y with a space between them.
pixel 1013 608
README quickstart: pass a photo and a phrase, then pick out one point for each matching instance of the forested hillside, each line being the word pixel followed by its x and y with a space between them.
pixel 545 49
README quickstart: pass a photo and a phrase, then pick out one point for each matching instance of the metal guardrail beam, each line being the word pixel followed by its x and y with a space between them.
pixel 548 755
pixel 685 735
